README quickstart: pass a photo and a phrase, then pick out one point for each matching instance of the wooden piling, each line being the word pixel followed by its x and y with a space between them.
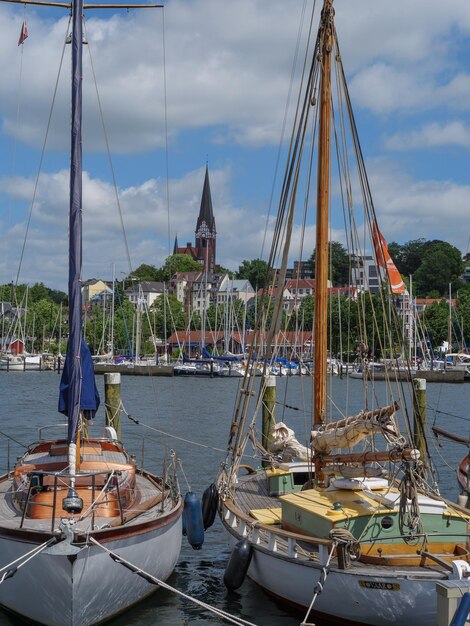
pixel 269 420
pixel 419 417
pixel 112 394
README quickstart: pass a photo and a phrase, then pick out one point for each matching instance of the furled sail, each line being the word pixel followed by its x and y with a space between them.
pixel 347 432
pixel 283 440
pixel 89 398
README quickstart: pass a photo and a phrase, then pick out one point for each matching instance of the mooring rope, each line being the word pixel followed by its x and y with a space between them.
pixel 9 570
pixel 167 434
pixel 155 581
pixel 320 584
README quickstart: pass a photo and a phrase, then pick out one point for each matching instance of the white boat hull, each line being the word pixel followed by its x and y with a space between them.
pixel 88 587
pixel 349 596
pixel 12 366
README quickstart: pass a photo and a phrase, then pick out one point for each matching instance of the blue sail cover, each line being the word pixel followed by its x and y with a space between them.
pixel 89 396
pixel 76 393
pixel 227 358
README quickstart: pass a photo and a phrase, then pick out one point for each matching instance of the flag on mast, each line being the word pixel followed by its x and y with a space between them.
pixel 23 33
pixel 385 260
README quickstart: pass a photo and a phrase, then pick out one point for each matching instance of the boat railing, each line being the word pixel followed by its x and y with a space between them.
pixel 60 479
pixel 275 538
pixel 48 427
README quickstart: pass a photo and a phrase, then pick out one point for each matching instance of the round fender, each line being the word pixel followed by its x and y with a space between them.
pixel 194 522
pixel 210 501
pixel 238 564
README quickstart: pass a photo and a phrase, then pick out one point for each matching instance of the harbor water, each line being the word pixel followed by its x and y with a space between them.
pixel 192 417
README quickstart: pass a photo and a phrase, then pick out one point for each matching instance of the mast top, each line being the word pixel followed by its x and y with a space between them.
pixel 68 5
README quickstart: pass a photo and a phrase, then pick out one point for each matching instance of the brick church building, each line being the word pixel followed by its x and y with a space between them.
pixel 205 244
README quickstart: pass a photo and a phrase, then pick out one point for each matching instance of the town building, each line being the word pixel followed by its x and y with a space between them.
pixel 301 269
pixel 234 289
pixel 94 287
pixel 196 290
pixel 365 274
pixel 145 292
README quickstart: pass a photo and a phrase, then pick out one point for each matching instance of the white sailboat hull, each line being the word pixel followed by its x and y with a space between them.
pixel 12 366
pixel 349 596
pixel 89 587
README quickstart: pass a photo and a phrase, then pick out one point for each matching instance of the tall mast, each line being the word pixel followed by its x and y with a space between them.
pixel 321 258
pixel 75 226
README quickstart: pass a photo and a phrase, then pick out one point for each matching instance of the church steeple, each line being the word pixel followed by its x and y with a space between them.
pixel 175 247
pixel 205 228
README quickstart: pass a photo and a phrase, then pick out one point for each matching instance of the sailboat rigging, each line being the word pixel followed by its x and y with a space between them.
pixel 66 498
pixel 353 536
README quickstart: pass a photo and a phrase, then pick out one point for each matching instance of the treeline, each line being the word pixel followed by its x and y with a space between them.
pixel 432 265
pixel 428 268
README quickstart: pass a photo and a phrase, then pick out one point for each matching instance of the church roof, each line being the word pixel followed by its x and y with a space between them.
pixel 206 216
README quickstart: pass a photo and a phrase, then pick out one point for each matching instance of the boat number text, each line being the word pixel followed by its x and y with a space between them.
pixel 368 584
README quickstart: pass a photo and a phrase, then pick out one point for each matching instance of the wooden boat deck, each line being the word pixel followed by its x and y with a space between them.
pixel 144 510
pixel 252 493
pixel 107 456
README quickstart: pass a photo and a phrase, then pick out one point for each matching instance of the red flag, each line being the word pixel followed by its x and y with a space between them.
pixel 23 34
pixel 384 260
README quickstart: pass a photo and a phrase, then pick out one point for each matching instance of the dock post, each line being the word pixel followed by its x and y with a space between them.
pixel 419 417
pixel 269 403
pixel 112 394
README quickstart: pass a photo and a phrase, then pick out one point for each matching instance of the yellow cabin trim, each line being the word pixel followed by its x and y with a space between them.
pixel 267 516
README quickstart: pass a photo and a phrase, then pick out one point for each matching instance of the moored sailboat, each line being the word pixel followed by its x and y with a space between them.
pixel 347 535
pixel 84 532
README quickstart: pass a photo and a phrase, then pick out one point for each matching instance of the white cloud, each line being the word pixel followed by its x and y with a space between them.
pixel 227 65
pixel 433 135
pixel 409 209
pixel 228 70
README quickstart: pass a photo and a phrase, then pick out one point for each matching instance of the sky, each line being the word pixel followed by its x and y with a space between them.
pixel 206 82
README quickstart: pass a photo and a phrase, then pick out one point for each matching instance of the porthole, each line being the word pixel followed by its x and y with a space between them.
pixel 387 522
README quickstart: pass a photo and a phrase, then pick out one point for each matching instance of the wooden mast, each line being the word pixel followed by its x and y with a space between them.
pixel 321 258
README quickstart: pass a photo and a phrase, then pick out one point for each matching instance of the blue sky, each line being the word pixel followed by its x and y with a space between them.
pixel 228 68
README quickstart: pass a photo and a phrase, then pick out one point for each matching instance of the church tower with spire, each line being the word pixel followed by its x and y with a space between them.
pixel 205 229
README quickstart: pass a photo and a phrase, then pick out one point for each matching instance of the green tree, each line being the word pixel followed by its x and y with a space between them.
pixel 220 315
pixel 41 318
pixel 463 315
pixel 256 271
pixel 224 270
pixel 146 272
pixel 302 319
pixel 436 322
pixel 124 316
pixel 38 292
pixel 260 312
pixel 339 263
pixel 441 265
pixel 59 297
pixel 170 315
pixel 408 257
pixel 178 263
